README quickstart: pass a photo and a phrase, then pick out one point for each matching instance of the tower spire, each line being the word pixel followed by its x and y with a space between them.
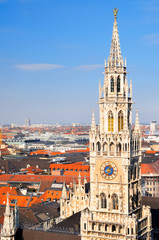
pixel 115 58
pixel 137 125
pixel 93 125
pixel 7 211
pixel 64 192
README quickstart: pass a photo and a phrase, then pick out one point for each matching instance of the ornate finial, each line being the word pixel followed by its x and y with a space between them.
pixel 115 11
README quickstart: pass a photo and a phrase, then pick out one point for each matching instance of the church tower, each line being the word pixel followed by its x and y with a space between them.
pixel 11 222
pixel 115 210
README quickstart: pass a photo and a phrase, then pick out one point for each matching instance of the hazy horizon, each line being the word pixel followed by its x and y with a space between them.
pixel 52 57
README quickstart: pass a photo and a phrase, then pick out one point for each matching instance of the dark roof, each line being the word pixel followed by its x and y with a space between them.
pixel 153 202
pixel 150 158
pixel 27 217
pixel 51 210
pixel 72 223
pixel 45 185
pixel 13 165
pixel 25 234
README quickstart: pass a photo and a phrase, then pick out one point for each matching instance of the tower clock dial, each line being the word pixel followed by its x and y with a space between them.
pixel 108 170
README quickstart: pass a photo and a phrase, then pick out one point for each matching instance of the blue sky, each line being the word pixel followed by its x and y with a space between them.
pixel 52 57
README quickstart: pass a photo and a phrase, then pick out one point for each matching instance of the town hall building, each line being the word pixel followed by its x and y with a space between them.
pixel 112 209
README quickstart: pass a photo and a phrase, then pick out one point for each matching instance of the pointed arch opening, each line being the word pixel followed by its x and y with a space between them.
pixel 103 200
pixel 118 84
pixel 93 146
pixel 98 146
pixel 118 149
pixel 113 228
pixel 115 201
pixel 111 149
pixel 110 122
pixel 120 121
pixel 100 227
pixel 112 84
pixel 106 228
pixel 105 148
pixel 126 147
pixel 93 226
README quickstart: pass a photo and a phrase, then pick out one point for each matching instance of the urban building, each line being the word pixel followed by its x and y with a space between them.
pixel 150 179
pixel 153 127
pixel 115 208
pixel 11 222
pixel 27 122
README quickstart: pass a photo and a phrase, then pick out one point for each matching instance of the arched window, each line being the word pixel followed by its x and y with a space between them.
pixel 112 84
pixel 106 228
pixel 113 228
pixel 93 146
pixel 112 147
pixel 125 147
pixel 93 226
pixel 118 84
pixel 103 200
pixel 115 201
pixel 105 147
pixel 100 227
pixel 98 146
pixel 120 121
pixel 118 147
pixel 110 122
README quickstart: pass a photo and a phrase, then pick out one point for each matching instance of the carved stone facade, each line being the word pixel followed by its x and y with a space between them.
pixel 11 222
pixel 78 199
pixel 115 210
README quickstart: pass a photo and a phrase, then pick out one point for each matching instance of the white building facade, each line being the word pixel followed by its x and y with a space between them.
pixel 115 210
pixel 11 222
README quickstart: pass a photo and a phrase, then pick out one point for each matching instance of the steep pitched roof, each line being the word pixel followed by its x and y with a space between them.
pixel 21 201
pixel 150 168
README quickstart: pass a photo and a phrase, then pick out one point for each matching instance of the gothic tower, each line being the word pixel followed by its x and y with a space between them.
pixel 115 210
pixel 11 222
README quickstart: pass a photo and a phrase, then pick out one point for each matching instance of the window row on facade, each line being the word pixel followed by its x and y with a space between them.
pixel 111 121
pixel 111 148
pixel 112 84
pixel 109 228
pixel 114 201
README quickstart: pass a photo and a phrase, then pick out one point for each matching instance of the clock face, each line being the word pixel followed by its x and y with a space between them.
pixel 108 170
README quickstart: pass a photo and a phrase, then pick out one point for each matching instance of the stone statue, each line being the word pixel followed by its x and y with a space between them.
pixel 115 11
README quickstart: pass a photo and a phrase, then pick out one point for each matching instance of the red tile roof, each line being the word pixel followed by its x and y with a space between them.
pixel 150 168
pixel 49 195
pixel 70 167
pixel 50 153
pixel 33 170
pixel 150 152
pixel 10 190
pixel 21 201
pixel 5 177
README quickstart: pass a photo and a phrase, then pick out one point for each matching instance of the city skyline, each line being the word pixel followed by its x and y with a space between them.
pixel 52 57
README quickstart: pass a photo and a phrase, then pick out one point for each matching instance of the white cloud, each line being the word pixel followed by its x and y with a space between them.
pixel 89 67
pixel 152 39
pixel 38 67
